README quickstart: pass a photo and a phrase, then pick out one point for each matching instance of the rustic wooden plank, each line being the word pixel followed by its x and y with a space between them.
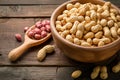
pixel 12 2
pixel 64 73
pixel 28 73
pixel 26 2
pixel 27 11
pixel 10 26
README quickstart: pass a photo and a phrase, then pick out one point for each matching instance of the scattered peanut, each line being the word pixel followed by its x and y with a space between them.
pixel 42 52
pixel 103 74
pixel 76 74
pixel 95 72
pixel 116 68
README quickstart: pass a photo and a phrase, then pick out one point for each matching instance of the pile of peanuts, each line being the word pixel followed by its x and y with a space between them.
pixel 41 29
pixel 89 24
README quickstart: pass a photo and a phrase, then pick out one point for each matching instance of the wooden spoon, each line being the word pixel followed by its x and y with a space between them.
pixel 28 42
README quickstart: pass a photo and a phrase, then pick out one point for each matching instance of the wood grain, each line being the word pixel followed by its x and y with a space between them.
pixel 9 27
pixel 33 2
pixel 27 11
pixel 28 73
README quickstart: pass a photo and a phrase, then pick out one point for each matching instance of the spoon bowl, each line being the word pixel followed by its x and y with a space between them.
pixel 28 42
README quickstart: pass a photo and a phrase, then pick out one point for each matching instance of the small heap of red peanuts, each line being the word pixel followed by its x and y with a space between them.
pixel 42 28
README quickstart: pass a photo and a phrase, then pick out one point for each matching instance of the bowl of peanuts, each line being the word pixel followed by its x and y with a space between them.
pixel 87 30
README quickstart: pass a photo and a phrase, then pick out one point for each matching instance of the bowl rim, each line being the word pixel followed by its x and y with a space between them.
pixel 53 29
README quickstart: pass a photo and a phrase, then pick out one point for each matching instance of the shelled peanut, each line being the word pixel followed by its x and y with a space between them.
pixel 41 29
pixel 89 24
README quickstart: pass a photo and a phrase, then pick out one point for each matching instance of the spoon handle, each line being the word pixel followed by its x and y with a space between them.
pixel 17 52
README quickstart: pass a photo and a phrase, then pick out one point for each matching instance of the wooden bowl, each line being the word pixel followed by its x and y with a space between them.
pixel 79 53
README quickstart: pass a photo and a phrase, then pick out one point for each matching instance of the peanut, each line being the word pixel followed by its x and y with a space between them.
pixel 76 74
pixel 108 4
pixel 77 41
pixel 64 33
pixel 93 16
pixel 105 7
pixel 99 34
pixel 96 41
pixel 68 25
pixel 103 74
pixel 106 40
pixel 113 16
pixel 105 14
pixel 58 23
pixel 118 17
pixel 85 44
pixel 101 43
pixel 80 27
pixel 42 52
pixel 89 40
pixel 103 22
pixel 79 34
pixel 87 18
pixel 114 11
pixel 69 38
pixel 87 13
pixel 118 31
pixel 80 18
pixel 110 23
pixel 77 5
pixel 69 6
pixel 83 10
pixel 118 23
pixel 74 28
pixel 103 69
pixel 73 19
pixel 95 72
pixel 49 48
pixel 114 32
pixel 116 68
pixel 89 25
pixel 95 28
pixel 65 12
pixel 107 32
pixel 89 35
pixel 60 17
pixel 100 9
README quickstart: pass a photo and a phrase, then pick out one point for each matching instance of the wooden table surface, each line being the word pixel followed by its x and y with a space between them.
pixel 17 14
